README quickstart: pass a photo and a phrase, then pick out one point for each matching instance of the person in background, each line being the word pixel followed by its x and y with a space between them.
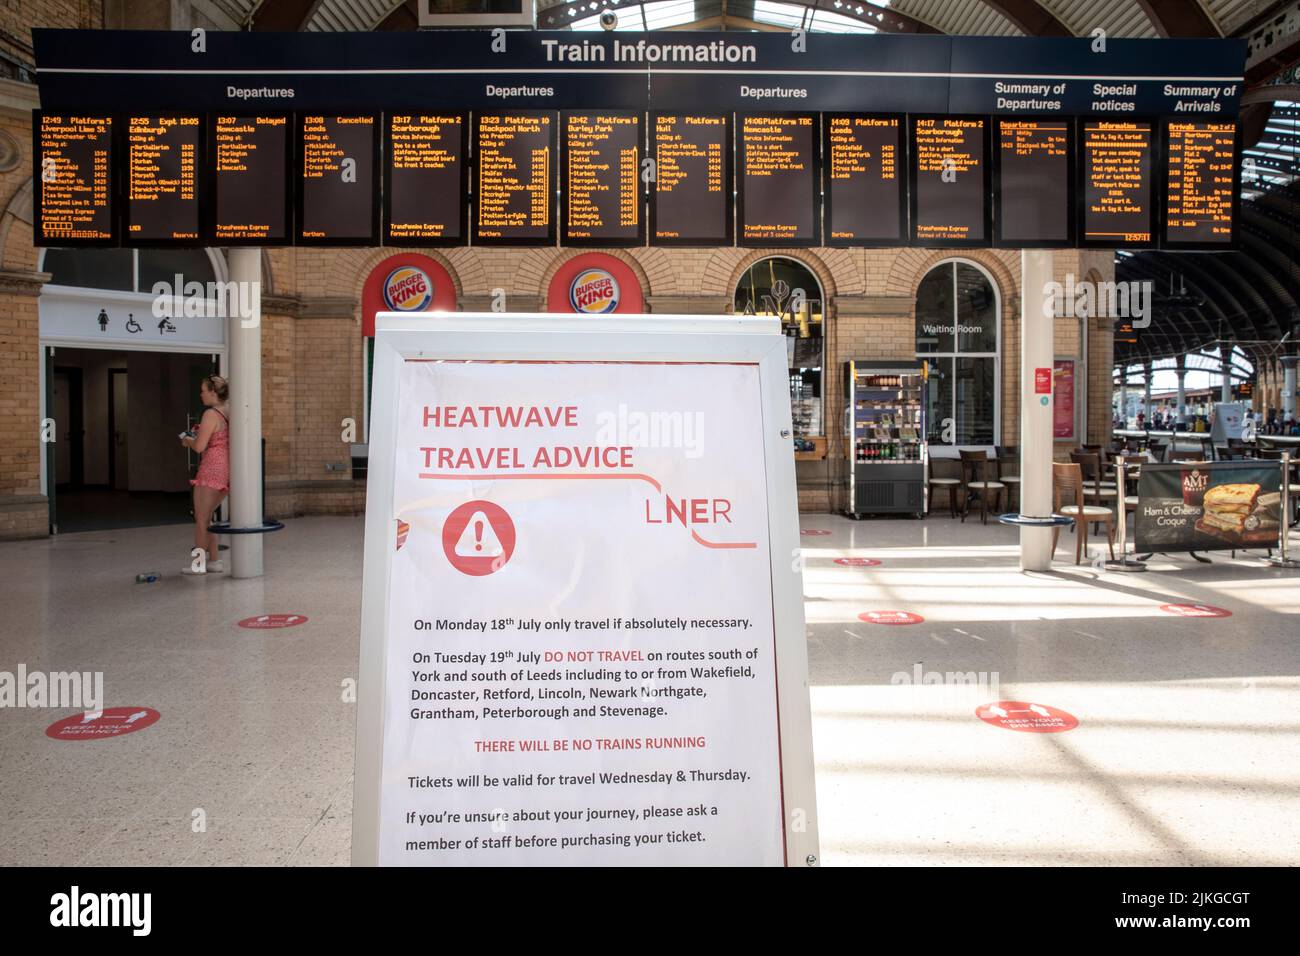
pixel 212 483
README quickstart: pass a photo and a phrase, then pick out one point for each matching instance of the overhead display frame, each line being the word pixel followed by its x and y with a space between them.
pixel 949 181
pixel 518 147
pixel 75 201
pixel 864 176
pixel 250 181
pixel 1034 204
pixel 617 674
pixel 426 179
pixel 337 182
pixel 602 195
pixel 1118 196
pixel 1205 169
pixel 164 185
pixel 691 197
pixel 778 179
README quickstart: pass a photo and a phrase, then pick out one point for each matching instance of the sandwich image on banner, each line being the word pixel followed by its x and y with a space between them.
pixel 1232 512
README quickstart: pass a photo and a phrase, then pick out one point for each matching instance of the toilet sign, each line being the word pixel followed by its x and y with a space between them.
pixel 572 654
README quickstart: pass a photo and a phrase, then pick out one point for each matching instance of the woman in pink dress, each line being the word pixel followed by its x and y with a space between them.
pixel 212 483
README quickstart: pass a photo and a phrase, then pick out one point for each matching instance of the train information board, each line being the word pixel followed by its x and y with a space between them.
pixel 1115 183
pixel 163 172
pixel 690 202
pixel 251 163
pixel 950 180
pixel 779 195
pixel 865 202
pixel 1033 205
pixel 338 185
pixel 514 189
pixel 1201 184
pixel 74 180
pixel 602 198
pixel 425 179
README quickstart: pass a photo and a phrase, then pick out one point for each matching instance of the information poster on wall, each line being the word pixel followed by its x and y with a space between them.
pixel 1063 399
pixel 581 643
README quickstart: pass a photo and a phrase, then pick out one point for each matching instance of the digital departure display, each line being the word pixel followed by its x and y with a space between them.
pixel 514 190
pixel 779 194
pixel 1032 192
pixel 864 196
pixel 163 170
pixel 74 180
pixel 338 187
pixel 425 179
pixel 1201 183
pixel 1116 192
pixel 690 202
pixel 250 179
pixel 602 198
pixel 950 181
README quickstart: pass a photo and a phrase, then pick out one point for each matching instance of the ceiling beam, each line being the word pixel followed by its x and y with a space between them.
pixel 1179 18
pixel 404 16
pixel 1030 17
pixel 884 19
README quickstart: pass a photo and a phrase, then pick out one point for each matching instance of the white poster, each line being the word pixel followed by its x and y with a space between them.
pixel 581 664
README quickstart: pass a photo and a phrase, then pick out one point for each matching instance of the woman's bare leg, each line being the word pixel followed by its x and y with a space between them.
pixel 205 502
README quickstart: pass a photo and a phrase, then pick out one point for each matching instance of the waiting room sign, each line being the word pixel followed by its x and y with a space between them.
pixel 582 623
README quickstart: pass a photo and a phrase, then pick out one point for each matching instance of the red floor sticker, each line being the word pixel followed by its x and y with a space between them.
pixel 274 620
pixel 478 538
pixel 890 617
pixel 111 722
pixel 857 562
pixel 812 532
pixel 1026 717
pixel 1195 610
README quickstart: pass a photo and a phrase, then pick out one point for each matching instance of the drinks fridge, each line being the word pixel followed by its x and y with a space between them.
pixel 885 430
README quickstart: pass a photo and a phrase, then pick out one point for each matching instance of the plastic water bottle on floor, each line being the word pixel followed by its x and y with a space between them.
pixel 147 577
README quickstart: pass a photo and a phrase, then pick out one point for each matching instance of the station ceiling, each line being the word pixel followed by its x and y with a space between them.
pixel 1249 297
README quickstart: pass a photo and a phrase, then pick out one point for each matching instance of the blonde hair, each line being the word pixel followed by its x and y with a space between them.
pixel 218 386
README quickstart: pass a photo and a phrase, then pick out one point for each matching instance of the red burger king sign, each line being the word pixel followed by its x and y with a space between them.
pixel 407 282
pixel 593 283
pixel 593 291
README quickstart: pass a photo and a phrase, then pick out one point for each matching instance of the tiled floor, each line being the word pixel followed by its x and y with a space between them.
pixel 1187 749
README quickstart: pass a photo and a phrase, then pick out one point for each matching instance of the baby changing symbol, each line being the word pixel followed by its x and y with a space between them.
pixel 478 538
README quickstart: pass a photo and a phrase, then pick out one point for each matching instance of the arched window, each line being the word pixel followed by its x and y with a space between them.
pixel 957 332
pixel 785 287
pixel 127 270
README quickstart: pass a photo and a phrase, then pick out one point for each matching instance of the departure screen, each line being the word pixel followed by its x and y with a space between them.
pixel 779 191
pixel 163 169
pixel 949 180
pixel 74 173
pixel 1033 194
pixel 1200 164
pixel 1116 178
pixel 690 202
pixel 864 189
pixel 602 195
pixel 425 179
pixel 250 184
pixel 338 189
pixel 515 186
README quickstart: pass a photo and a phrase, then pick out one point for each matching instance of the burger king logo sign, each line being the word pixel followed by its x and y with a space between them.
pixel 408 289
pixel 593 292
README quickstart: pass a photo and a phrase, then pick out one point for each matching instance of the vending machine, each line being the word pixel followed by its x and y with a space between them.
pixel 885 433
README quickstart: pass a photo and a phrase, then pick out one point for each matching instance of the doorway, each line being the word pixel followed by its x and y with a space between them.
pixel 117 460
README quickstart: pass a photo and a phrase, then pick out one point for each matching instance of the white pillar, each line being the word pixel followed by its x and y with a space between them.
pixel 1036 352
pixel 1123 397
pixel 245 336
pixel 1225 363
pixel 1288 386
pixel 1146 392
